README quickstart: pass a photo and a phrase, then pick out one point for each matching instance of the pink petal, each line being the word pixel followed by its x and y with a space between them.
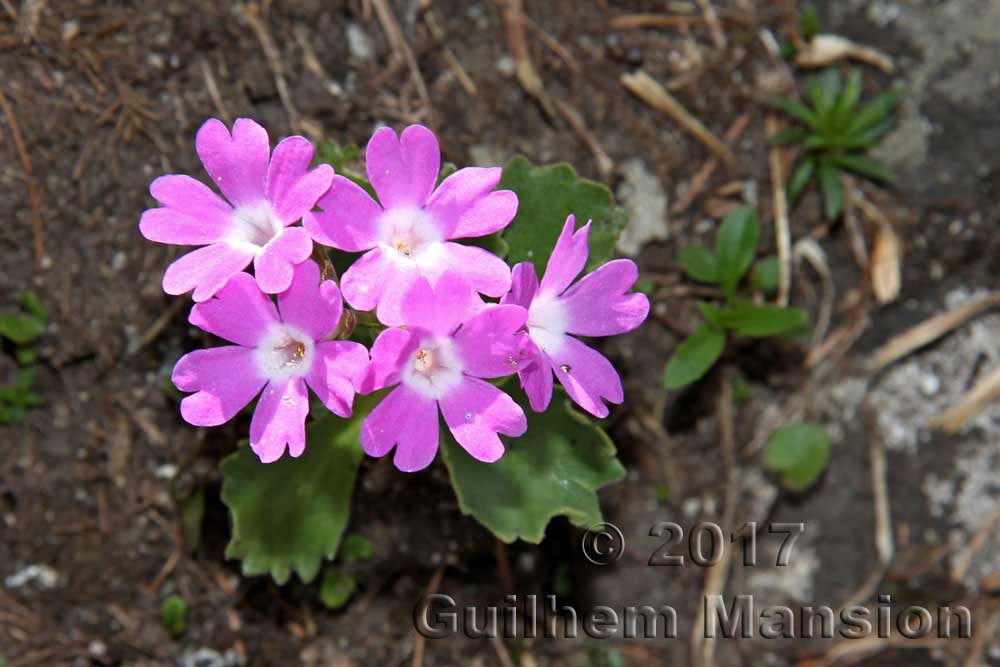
pixel 348 220
pixel 336 372
pixel 275 265
pixel 476 412
pixel 292 188
pixel 485 272
pixel 309 305
pixel 487 343
pixel 567 259
pixel 239 313
pixel 587 376
pixel 598 305
pixel 404 420
pixel 205 270
pixel 237 163
pixel 364 281
pixel 403 171
pixel 280 420
pixel 225 378
pixel 465 206
pixel 440 308
pixel 191 213
pixel 523 285
pixel 389 352
pixel 536 380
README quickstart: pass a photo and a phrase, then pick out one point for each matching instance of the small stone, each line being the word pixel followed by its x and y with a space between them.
pixel 44 576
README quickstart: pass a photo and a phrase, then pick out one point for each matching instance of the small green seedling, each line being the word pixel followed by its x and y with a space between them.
pixel 173 615
pixel 355 548
pixel 798 453
pixel 337 588
pixel 736 247
pixel 835 134
pixel 22 329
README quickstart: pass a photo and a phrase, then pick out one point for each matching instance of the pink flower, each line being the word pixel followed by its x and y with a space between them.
pixel 280 354
pixel 595 306
pixel 266 195
pixel 435 365
pixel 407 236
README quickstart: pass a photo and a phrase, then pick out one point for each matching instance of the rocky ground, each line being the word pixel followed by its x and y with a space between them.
pixel 107 96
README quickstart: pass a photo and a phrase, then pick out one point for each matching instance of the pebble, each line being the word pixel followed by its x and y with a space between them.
pixel 44 576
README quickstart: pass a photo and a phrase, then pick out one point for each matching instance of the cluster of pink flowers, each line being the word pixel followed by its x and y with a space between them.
pixel 442 341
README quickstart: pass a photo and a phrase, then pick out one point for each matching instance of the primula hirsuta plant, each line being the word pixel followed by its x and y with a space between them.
pixel 449 324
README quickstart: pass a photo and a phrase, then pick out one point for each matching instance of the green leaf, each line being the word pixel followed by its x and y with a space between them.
pixel 750 319
pixel 799 453
pixel 25 355
pixel 699 263
pixel 21 329
pixel 337 588
pixel 847 100
pixel 823 91
pixel 710 313
pixel 872 135
pixel 766 275
pixel 833 189
pixel 736 245
pixel 332 153
pixel 173 615
pixel 800 178
pixel 645 285
pixel 788 135
pixel 875 111
pixel 796 110
pixel 694 357
pixel 552 470
pixel 809 22
pixel 861 165
pixel 546 195
pixel 32 304
pixel 289 515
pixel 355 548
pixel 741 391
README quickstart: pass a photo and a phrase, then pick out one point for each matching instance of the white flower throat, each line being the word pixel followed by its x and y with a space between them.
pixel 547 322
pixel 410 235
pixel 433 369
pixel 255 226
pixel 284 352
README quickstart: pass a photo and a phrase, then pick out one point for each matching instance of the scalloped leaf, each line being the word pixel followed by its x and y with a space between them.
pixel 291 514
pixel 552 470
pixel 546 195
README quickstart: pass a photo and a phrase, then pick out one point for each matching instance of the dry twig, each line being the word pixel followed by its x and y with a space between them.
pixel 782 234
pixel 419 639
pixel 213 92
pixel 962 561
pixel 34 196
pixel 702 647
pixel 880 489
pixel 823 50
pixel 707 169
pixel 454 64
pixel 527 75
pixel 807 249
pixel 714 26
pixel 930 330
pixel 273 56
pixel 971 404
pixel 626 21
pixel 647 89
pixel 605 166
